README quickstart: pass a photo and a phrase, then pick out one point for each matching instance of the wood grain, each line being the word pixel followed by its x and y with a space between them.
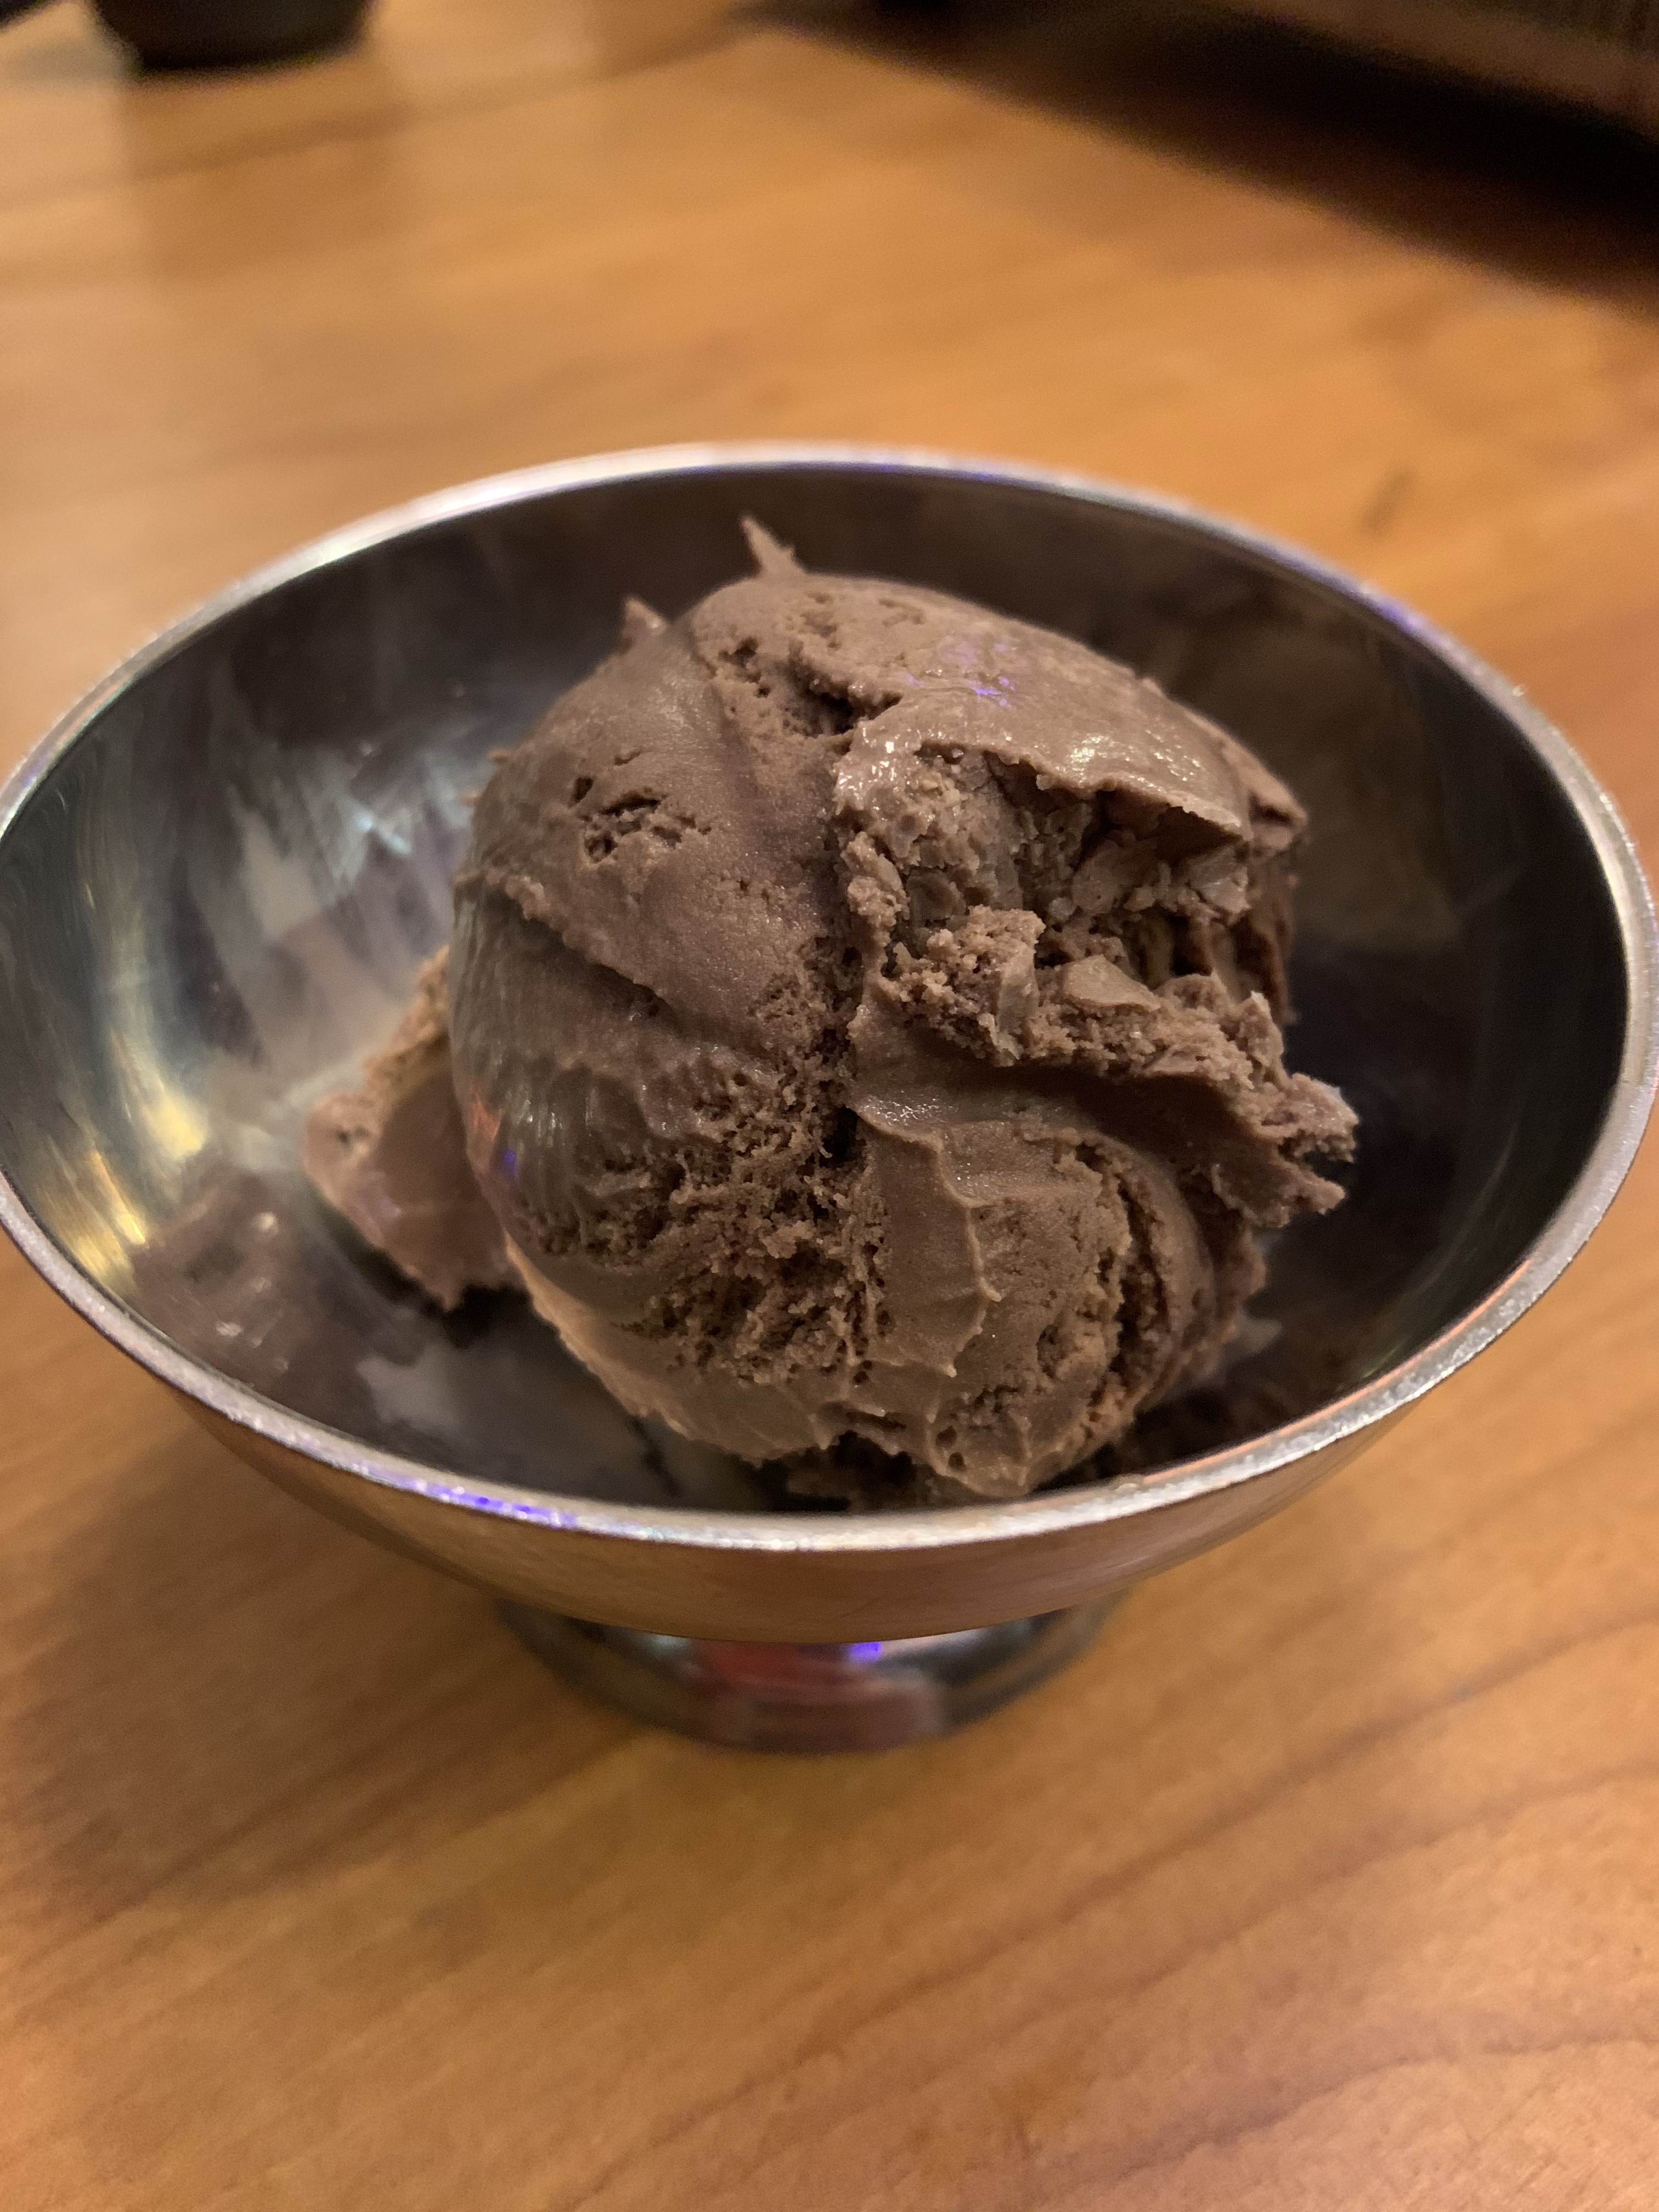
pixel 1329 1878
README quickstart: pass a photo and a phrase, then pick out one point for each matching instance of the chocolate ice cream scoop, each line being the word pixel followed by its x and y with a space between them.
pixel 391 1157
pixel 865 1013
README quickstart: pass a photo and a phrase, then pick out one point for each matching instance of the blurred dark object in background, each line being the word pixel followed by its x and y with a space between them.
pixel 1602 54
pixel 221 33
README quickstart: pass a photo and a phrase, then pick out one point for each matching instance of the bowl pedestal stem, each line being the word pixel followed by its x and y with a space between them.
pixel 808 1696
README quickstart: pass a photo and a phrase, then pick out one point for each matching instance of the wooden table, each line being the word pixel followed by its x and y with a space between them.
pixel 1328 1880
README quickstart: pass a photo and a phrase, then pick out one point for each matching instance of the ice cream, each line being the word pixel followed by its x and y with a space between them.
pixel 392 1158
pixel 864 1012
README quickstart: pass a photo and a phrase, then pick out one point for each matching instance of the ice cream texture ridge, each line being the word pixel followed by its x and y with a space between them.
pixel 862 1035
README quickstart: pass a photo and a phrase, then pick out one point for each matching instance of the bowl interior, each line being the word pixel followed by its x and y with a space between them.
pixel 213 903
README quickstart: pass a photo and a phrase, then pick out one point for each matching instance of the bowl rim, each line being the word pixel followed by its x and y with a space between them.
pixel 922 1529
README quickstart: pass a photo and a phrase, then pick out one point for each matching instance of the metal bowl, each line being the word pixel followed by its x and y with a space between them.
pixel 220 871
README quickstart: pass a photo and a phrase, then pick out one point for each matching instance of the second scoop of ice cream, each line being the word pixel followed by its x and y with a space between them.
pixel 864 1012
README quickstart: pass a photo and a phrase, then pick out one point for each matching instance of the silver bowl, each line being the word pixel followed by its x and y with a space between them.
pixel 219 873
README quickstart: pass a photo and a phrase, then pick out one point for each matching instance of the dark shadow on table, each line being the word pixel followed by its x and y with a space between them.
pixel 1544 191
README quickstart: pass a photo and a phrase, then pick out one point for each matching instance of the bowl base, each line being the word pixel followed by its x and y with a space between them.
pixel 809 1697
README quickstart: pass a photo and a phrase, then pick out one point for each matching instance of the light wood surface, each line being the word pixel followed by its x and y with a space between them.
pixel 1329 1879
